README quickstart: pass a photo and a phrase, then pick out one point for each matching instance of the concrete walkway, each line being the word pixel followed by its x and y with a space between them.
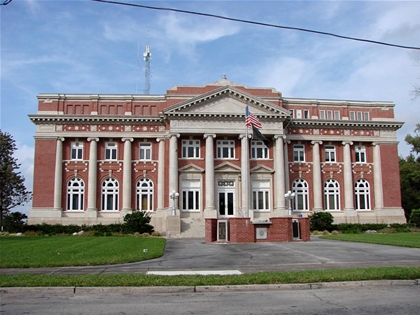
pixel 193 255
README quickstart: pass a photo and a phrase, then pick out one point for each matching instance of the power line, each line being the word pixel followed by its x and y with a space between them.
pixel 260 23
pixel 6 2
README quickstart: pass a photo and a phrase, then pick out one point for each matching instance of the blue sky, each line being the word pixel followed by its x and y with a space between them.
pixel 89 47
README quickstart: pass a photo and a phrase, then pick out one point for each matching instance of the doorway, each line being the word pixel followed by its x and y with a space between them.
pixel 226 203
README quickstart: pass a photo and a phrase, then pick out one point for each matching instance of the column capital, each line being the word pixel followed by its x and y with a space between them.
pixel 177 135
pixel 316 142
pixel 161 139
pixel 275 137
pixel 347 142
pixel 93 139
pixel 206 135
pixel 241 136
pixel 127 139
pixel 61 139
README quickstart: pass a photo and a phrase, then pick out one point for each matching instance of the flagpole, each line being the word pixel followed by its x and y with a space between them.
pixel 247 173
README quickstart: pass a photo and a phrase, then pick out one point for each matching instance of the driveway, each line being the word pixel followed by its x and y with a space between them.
pixel 194 255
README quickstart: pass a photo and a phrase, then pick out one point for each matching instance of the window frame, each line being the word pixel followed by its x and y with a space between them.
pixel 229 146
pixel 191 195
pixel 191 146
pixel 111 150
pixel 145 148
pixel 144 194
pixel 336 115
pixel 299 153
pixel 301 189
pixel 332 195
pixel 330 153
pixel 362 195
pixel 321 114
pixel 261 196
pixel 259 150
pixel 75 194
pixel 110 194
pixel 77 150
pixel 360 154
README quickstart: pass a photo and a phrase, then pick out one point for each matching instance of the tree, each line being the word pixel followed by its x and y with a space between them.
pixel 13 192
pixel 410 174
pixel 321 221
pixel 14 222
pixel 137 222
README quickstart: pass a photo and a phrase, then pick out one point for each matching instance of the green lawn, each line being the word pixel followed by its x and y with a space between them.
pixel 309 276
pixel 395 239
pixel 56 251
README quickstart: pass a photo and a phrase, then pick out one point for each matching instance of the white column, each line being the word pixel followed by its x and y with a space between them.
pixel 161 174
pixel 348 180
pixel 245 176
pixel 92 174
pixel 279 179
pixel 286 164
pixel 377 177
pixel 210 196
pixel 316 163
pixel 173 163
pixel 58 175
pixel 127 169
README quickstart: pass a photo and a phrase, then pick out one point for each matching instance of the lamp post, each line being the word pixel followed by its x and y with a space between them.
pixel 289 196
pixel 174 196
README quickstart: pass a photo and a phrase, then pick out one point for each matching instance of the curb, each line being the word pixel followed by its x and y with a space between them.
pixel 204 289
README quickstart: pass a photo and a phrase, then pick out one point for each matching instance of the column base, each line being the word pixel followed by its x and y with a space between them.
pixel 91 213
pixel 281 212
pixel 173 225
pixel 210 212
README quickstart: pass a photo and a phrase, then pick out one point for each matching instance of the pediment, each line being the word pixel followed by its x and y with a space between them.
pixel 227 167
pixel 226 101
pixel 191 168
pixel 262 169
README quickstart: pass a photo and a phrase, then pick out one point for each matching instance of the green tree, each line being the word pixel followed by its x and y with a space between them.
pixel 414 141
pixel 137 222
pixel 321 221
pixel 14 222
pixel 13 192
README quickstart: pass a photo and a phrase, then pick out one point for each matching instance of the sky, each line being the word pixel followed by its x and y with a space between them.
pixel 82 46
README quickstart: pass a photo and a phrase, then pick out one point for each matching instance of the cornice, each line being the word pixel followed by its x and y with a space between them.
pixel 40 119
pixel 304 123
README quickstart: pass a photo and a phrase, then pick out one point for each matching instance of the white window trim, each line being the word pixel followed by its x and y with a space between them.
pixel 300 150
pixel 73 191
pixel 76 146
pixel 230 146
pixel 191 186
pixel 147 147
pixel 255 147
pixel 111 147
pixel 335 192
pixel 147 191
pixel 195 145
pixel 105 191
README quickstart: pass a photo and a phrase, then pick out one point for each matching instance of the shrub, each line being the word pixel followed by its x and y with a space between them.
pixel 321 221
pixel 137 222
pixel 415 217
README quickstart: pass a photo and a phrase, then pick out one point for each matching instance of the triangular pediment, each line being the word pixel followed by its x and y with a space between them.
pixel 227 167
pixel 226 101
pixel 262 169
pixel 191 168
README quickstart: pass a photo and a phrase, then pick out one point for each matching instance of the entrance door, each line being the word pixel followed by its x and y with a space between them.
pixel 226 203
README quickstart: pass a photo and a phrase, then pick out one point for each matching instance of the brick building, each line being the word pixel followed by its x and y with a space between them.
pixel 99 157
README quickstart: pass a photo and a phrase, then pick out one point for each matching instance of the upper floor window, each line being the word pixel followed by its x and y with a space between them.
pixel 306 114
pixel 352 116
pixel 226 149
pixel 359 116
pixel 145 151
pixel 110 151
pixel 329 114
pixel 337 115
pixel 298 113
pixel 322 114
pixel 259 150
pixel 292 113
pixel 76 151
pixel 191 149
pixel 299 153
pixel 330 153
pixel 366 115
pixel 360 154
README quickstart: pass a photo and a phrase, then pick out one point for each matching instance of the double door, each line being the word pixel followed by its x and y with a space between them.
pixel 226 202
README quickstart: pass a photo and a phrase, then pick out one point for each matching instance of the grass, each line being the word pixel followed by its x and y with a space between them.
pixel 309 276
pixel 58 251
pixel 394 239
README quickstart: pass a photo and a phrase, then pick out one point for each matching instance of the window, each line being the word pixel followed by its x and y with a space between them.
pixel 261 195
pixel 360 154
pixel 366 116
pixel 362 192
pixel 76 151
pixel 332 195
pixel 330 153
pixel 259 150
pixel 337 115
pixel 329 114
pixel 111 151
pixel 359 116
pixel 144 193
pixel 191 149
pixel 145 151
pixel 299 113
pixel 75 194
pixel 292 113
pixel 191 195
pixel 306 114
pixel 299 153
pixel 352 116
pixel 226 149
pixel 322 114
pixel 110 192
pixel 300 188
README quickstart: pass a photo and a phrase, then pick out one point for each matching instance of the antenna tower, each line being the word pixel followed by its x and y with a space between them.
pixel 146 57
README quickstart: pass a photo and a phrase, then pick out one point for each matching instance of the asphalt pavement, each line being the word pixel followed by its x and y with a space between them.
pixel 194 255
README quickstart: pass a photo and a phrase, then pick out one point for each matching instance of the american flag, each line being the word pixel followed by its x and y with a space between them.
pixel 251 120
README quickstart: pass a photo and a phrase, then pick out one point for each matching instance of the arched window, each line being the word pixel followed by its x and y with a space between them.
pixel 110 192
pixel 362 194
pixel 300 188
pixel 75 194
pixel 332 195
pixel 144 195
